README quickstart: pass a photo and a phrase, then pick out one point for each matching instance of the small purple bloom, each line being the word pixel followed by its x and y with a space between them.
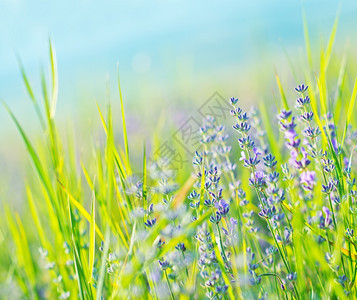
pixel 291 276
pixel 257 179
pixel 326 221
pixel 267 213
pixel 223 207
pixel 150 223
pixel 301 102
pixel 256 151
pixel 234 222
pixel 284 114
pixel 215 219
pixel 327 189
pixel 164 264
pixel 301 88
pixel 181 247
pixel 287 125
pixel 307 179
pixel 234 100
pixel 290 134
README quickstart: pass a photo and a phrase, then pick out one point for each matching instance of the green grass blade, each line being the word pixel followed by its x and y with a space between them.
pixel 92 240
pixel 282 94
pixel 77 261
pixel 144 178
pixel 123 119
pixel 37 220
pixel 34 157
pixel 307 41
pixel 103 268
pixel 30 92
pixel 54 80
pixel 102 119
pixel 86 175
pixel 350 110
pixel 22 254
pixel 81 209
pixel 328 51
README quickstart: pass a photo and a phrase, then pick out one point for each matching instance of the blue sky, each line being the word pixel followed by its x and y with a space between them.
pixel 153 41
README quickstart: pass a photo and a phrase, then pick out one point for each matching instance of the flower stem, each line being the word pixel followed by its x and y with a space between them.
pixel 169 286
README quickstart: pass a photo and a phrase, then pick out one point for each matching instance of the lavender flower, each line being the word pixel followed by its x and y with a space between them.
pixel 267 213
pixel 270 161
pixel 257 179
pixel 284 115
pixel 308 180
pixel 181 247
pixel 301 88
pixel 291 276
pixel 307 116
pixel 325 222
pixel 164 264
pixel 150 223
pixel 327 189
pixel 215 219
pixel 223 207
pixel 301 102
pixel 234 100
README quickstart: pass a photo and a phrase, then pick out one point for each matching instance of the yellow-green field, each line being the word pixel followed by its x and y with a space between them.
pixel 205 198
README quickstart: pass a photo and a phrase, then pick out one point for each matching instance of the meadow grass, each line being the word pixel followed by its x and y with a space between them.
pixel 273 222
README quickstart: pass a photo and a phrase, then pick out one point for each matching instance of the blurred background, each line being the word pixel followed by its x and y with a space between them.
pixel 172 56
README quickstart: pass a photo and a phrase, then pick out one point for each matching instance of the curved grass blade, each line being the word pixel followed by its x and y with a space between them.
pixel 30 92
pixel 81 209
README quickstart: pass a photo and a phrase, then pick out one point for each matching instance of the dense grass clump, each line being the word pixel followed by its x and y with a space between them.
pixel 275 221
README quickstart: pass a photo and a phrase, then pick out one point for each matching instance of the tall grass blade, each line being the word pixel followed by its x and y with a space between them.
pixel 81 209
pixel 30 92
pixel 92 240
pixel 307 42
pixel 282 94
pixel 331 41
pixel 102 271
pixel 54 78
pixel 125 135
pixel 350 110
